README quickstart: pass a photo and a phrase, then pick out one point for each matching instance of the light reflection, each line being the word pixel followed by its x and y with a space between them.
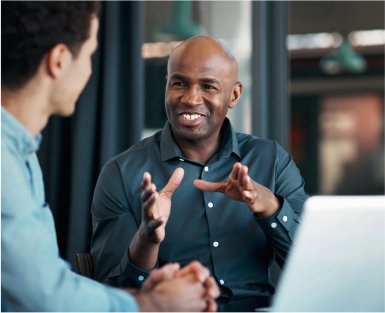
pixel 361 38
pixel 158 49
pixel 314 41
pixel 367 37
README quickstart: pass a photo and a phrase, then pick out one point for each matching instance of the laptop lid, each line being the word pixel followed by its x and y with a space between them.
pixel 337 259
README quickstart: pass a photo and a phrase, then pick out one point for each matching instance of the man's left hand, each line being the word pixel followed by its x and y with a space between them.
pixel 239 186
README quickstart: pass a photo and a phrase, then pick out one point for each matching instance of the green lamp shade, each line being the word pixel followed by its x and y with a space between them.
pixel 180 26
pixel 344 59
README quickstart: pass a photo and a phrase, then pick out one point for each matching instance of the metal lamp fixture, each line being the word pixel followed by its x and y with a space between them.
pixel 343 59
pixel 180 26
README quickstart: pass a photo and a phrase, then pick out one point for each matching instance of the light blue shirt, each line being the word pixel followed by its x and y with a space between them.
pixel 33 276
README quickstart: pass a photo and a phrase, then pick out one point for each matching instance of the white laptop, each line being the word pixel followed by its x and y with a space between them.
pixel 337 262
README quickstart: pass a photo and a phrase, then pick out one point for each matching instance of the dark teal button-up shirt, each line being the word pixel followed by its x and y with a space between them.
pixel 223 234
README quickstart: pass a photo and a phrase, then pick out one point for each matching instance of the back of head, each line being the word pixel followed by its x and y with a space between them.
pixel 29 29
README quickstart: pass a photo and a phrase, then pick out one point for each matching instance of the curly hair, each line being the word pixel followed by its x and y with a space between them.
pixel 29 29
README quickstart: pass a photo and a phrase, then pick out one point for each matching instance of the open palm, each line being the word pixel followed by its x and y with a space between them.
pixel 156 206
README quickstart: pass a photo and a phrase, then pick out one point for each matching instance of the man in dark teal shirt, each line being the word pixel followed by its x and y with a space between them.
pixel 236 199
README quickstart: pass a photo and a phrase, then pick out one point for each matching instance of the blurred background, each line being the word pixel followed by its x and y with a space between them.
pixel 313 77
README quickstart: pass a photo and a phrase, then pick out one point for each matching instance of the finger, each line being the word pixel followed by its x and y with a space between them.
pixel 211 306
pixel 154 224
pixel 174 182
pixel 243 172
pixel 168 271
pixel 157 276
pixel 210 186
pixel 212 288
pixel 148 192
pixel 146 181
pixel 148 207
pixel 235 171
pixel 197 269
pixel 248 183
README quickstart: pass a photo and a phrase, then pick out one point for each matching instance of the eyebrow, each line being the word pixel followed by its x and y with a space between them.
pixel 203 80
pixel 209 80
pixel 177 76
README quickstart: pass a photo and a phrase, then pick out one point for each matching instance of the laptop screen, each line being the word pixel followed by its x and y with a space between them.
pixel 337 261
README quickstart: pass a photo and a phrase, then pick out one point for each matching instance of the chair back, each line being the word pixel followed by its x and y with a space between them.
pixel 84 264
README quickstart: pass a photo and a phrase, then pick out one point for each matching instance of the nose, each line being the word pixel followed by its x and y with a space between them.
pixel 192 96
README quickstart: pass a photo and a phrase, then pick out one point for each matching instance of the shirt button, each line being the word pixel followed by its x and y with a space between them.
pixel 206 168
pixel 215 244
pixel 273 225
pixel 284 218
pixel 210 204
pixel 140 278
pixel 180 159
pixel 221 281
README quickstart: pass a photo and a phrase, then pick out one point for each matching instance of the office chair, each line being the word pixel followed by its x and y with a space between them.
pixel 84 264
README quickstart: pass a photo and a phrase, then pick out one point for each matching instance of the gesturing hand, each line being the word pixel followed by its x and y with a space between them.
pixel 156 206
pixel 239 186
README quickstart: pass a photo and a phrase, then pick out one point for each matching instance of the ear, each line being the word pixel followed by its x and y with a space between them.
pixel 58 60
pixel 236 95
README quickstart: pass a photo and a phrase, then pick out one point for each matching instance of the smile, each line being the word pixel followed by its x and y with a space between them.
pixel 191 117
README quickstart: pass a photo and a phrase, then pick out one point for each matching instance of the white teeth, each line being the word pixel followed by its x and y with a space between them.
pixel 191 117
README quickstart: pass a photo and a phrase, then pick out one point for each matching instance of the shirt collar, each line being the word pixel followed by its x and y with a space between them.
pixel 12 130
pixel 229 143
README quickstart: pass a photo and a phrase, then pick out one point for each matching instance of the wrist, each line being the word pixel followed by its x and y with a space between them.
pixel 145 302
pixel 273 207
pixel 146 236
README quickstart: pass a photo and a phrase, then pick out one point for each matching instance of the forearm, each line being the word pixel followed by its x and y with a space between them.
pixel 142 252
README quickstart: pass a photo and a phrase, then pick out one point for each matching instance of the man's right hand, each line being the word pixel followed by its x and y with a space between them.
pixel 156 206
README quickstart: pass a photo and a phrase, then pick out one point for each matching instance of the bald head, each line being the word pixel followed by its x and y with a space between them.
pixel 201 87
pixel 205 48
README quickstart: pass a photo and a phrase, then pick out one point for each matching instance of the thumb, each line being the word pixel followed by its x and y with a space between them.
pixel 174 182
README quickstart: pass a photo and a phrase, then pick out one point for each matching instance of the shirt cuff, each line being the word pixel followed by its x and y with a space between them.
pixel 285 220
pixel 134 275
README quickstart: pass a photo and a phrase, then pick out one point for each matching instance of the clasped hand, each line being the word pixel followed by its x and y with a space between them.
pixel 188 289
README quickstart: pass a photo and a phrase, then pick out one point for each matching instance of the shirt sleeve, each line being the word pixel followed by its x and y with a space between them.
pixel 114 227
pixel 289 188
pixel 34 277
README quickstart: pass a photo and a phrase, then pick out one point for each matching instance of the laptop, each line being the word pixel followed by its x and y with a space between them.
pixel 337 261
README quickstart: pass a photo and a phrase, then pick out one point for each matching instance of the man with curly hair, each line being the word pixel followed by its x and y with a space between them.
pixel 46 62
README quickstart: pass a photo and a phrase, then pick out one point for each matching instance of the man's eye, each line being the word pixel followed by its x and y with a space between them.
pixel 210 87
pixel 178 84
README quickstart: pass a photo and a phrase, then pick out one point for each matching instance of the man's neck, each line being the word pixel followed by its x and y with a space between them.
pixel 28 106
pixel 201 151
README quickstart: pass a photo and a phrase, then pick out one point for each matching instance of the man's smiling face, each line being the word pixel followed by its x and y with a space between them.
pixel 200 89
